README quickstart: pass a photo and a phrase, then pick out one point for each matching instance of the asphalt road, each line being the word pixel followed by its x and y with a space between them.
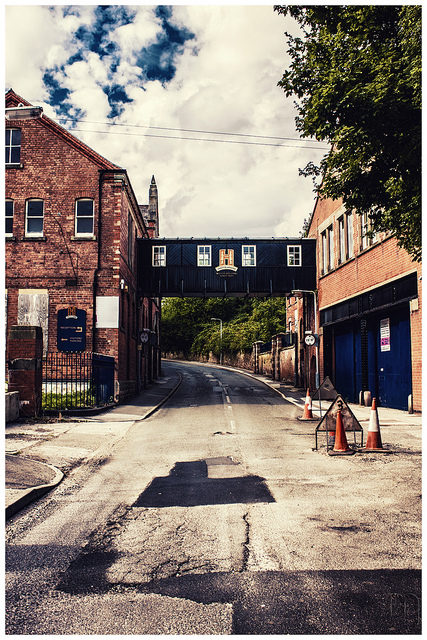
pixel 215 516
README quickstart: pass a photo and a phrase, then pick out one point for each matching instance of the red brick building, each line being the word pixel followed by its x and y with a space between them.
pixel 72 220
pixel 368 312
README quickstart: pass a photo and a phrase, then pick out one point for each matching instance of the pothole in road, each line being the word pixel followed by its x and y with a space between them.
pixel 205 482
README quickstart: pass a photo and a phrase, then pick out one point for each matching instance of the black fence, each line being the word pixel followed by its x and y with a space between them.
pixel 77 381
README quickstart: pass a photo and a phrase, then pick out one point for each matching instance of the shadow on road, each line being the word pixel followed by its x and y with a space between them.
pixel 188 485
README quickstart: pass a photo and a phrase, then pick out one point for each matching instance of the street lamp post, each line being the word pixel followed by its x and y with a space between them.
pixel 220 338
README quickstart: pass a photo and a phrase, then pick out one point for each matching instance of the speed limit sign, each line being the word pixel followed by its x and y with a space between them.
pixel 310 340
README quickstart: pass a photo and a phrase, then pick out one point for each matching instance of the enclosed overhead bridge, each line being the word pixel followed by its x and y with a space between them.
pixel 216 267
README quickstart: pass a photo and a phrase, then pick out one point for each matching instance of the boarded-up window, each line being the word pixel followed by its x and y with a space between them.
pixel 33 310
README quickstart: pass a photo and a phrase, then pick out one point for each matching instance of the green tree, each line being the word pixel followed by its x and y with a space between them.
pixel 187 326
pixel 356 74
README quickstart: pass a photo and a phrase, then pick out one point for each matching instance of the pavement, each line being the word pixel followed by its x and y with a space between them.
pixel 39 452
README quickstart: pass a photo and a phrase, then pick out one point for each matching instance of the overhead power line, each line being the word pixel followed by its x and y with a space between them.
pixel 153 135
pixel 217 133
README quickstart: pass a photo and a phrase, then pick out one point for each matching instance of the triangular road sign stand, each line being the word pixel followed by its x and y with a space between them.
pixel 349 420
pixel 326 391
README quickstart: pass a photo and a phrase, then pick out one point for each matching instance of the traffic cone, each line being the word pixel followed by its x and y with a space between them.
pixel 341 447
pixel 308 413
pixel 374 443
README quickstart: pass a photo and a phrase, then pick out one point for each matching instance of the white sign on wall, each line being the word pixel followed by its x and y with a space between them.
pixel 385 334
pixel 107 312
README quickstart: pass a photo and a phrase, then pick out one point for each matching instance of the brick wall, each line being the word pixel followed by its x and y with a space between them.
pixel 56 168
pixel 287 364
pixel 366 269
pixel 24 355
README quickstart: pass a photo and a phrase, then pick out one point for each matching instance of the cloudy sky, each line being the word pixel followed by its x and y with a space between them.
pixel 137 81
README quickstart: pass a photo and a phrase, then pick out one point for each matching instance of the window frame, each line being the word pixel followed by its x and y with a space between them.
pixel 342 253
pixel 366 240
pixel 34 234
pixel 331 247
pixel 250 254
pixel 201 256
pixel 324 249
pixel 154 253
pixel 9 146
pixel 288 255
pixel 130 240
pixel 84 234
pixel 349 234
pixel 9 234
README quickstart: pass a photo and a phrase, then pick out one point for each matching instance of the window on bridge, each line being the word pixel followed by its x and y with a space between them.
pixel 204 256
pixel 248 255
pixel 294 255
pixel 159 256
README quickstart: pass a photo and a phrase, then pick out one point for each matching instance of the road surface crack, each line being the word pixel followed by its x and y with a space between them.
pixel 245 543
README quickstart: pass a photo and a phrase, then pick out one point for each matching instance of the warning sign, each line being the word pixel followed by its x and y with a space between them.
pixel 349 420
pixel 326 391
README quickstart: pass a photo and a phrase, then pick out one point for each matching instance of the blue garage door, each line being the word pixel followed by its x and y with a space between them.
pixel 345 362
pixel 394 359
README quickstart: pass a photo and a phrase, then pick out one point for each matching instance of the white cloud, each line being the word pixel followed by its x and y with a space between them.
pixel 205 188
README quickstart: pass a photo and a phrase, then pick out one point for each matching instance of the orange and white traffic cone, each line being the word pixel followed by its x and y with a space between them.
pixel 308 413
pixel 374 443
pixel 341 447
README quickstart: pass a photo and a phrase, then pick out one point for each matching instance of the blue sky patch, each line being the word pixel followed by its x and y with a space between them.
pixel 107 18
pixel 158 60
pixel 59 96
pixel 117 97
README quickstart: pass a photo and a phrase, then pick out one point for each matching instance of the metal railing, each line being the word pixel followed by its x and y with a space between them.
pixel 77 381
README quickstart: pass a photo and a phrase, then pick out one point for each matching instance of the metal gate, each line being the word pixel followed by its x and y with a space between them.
pixel 82 380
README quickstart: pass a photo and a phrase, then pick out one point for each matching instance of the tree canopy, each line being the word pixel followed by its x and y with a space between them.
pixel 188 328
pixel 356 74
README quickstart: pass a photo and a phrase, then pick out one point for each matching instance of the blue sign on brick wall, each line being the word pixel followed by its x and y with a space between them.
pixel 71 333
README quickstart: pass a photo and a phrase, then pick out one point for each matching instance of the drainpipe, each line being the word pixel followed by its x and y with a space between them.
pixel 102 173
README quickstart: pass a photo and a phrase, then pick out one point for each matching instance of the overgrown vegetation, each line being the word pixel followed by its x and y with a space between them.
pixel 188 328
pixel 57 401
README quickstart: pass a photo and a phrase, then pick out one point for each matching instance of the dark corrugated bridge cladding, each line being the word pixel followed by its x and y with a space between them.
pixel 232 267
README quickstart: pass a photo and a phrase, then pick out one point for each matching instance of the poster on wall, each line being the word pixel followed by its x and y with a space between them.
pixel 71 329
pixel 385 334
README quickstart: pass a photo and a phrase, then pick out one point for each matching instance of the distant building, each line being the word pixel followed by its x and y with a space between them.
pixel 369 312
pixel 72 221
